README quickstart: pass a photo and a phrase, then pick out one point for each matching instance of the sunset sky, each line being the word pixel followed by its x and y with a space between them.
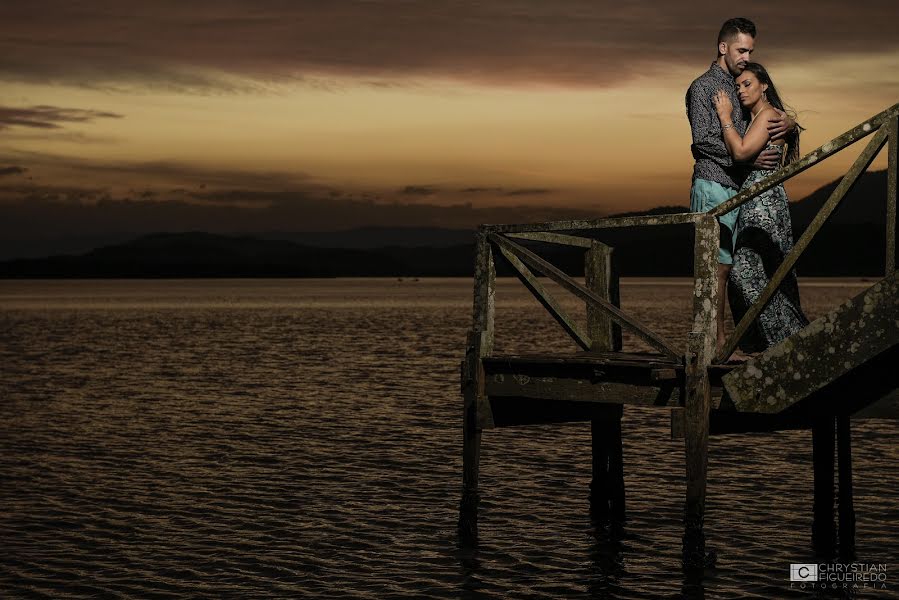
pixel 240 115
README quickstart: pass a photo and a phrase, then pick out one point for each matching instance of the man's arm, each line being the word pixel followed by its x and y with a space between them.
pixel 704 125
pixel 780 125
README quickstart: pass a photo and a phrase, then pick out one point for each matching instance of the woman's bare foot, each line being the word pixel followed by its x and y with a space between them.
pixel 739 356
pixel 719 346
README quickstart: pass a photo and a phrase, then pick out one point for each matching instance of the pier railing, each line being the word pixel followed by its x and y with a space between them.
pixel 884 127
pixel 605 378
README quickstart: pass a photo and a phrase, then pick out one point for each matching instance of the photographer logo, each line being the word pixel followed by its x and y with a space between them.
pixel 803 572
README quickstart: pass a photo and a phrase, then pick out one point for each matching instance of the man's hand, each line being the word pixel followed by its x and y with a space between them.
pixel 779 126
pixel 769 158
pixel 723 105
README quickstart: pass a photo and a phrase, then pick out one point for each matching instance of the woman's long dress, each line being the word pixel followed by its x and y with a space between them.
pixel 762 238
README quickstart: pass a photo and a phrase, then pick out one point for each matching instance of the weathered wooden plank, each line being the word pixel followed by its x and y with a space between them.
pixel 629 368
pixel 585 224
pixel 634 359
pixel 705 258
pixel 552 306
pixel 846 184
pixel 476 409
pixel 829 348
pixel 698 401
pixel 580 291
pixel 484 317
pixel 635 375
pixel 601 277
pixel 555 238
pixel 892 176
pixel 484 309
pixel 855 134
pixel 607 484
pixel 581 390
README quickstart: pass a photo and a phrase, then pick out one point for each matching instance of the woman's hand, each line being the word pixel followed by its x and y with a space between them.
pixel 723 105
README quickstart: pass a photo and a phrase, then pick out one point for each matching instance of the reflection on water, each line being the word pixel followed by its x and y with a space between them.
pixel 298 438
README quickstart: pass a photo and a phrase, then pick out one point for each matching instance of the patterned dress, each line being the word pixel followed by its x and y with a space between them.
pixel 763 237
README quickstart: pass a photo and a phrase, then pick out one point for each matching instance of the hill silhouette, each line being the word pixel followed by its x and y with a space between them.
pixel 851 243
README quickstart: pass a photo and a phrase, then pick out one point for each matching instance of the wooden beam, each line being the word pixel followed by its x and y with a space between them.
pixel 809 160
pixel 601 277
pixel 705 293
pixel 555 238
pixel 546 299
pixel 698 401
pixel 892 175
pixel 582 224
pixel 858 167
pixel 476 411
pixel 581 390
pixel 580 291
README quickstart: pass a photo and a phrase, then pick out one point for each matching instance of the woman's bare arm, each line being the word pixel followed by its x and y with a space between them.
pixel 746 147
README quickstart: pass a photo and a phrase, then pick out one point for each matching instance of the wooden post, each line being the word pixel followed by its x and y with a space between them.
pixel 476 405
pixel 601 274
pixel 892 258
pixel 697 402
pixel 846 508
pixel 823 529
pixel 607 487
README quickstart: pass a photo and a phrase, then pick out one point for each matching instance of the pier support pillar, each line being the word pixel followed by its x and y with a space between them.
pixel 697 401
pixel 823 527
pixel 846 507
pixel 476 411
pixel 471 458
pixel 607 486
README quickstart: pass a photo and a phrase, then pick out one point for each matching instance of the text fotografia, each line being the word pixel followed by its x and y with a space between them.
pixel 823 576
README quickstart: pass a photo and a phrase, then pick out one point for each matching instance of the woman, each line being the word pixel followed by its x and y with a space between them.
pixel 764 234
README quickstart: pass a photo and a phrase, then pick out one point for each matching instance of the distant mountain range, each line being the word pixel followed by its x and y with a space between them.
pixel 851 243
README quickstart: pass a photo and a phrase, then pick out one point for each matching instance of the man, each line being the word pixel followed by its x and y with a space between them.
pixel 716 178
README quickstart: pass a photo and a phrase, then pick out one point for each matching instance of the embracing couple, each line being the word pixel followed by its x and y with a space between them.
pixel 742 134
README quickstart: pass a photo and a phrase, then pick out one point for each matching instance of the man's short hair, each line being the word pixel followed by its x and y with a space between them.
pixel 732 27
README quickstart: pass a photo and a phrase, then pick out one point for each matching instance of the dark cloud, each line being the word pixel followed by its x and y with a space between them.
pixel 202 44
pixel 418 190
pixel 49 117
pixel 528 192
pixel 12 170
pixel 496 190
pixel 482 190
pixel 161 172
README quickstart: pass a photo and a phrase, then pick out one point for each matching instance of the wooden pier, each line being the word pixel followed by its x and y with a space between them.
pixel 840 364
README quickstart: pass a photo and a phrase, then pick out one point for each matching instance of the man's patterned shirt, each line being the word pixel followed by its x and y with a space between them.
pixel 713 161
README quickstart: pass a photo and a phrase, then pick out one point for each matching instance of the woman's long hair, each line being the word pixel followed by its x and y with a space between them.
pixel 792 138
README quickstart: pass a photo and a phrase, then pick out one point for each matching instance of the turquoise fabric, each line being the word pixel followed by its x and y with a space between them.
pixel 706 195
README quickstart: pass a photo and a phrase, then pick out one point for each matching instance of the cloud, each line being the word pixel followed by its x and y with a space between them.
pixel 528 192
pixel 235 45
pixel 49 117
pixel 418 190
pixel 482 190
pixel 12 170
pixel 113 174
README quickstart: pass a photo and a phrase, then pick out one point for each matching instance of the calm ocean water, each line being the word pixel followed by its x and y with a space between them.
pixel 302 438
